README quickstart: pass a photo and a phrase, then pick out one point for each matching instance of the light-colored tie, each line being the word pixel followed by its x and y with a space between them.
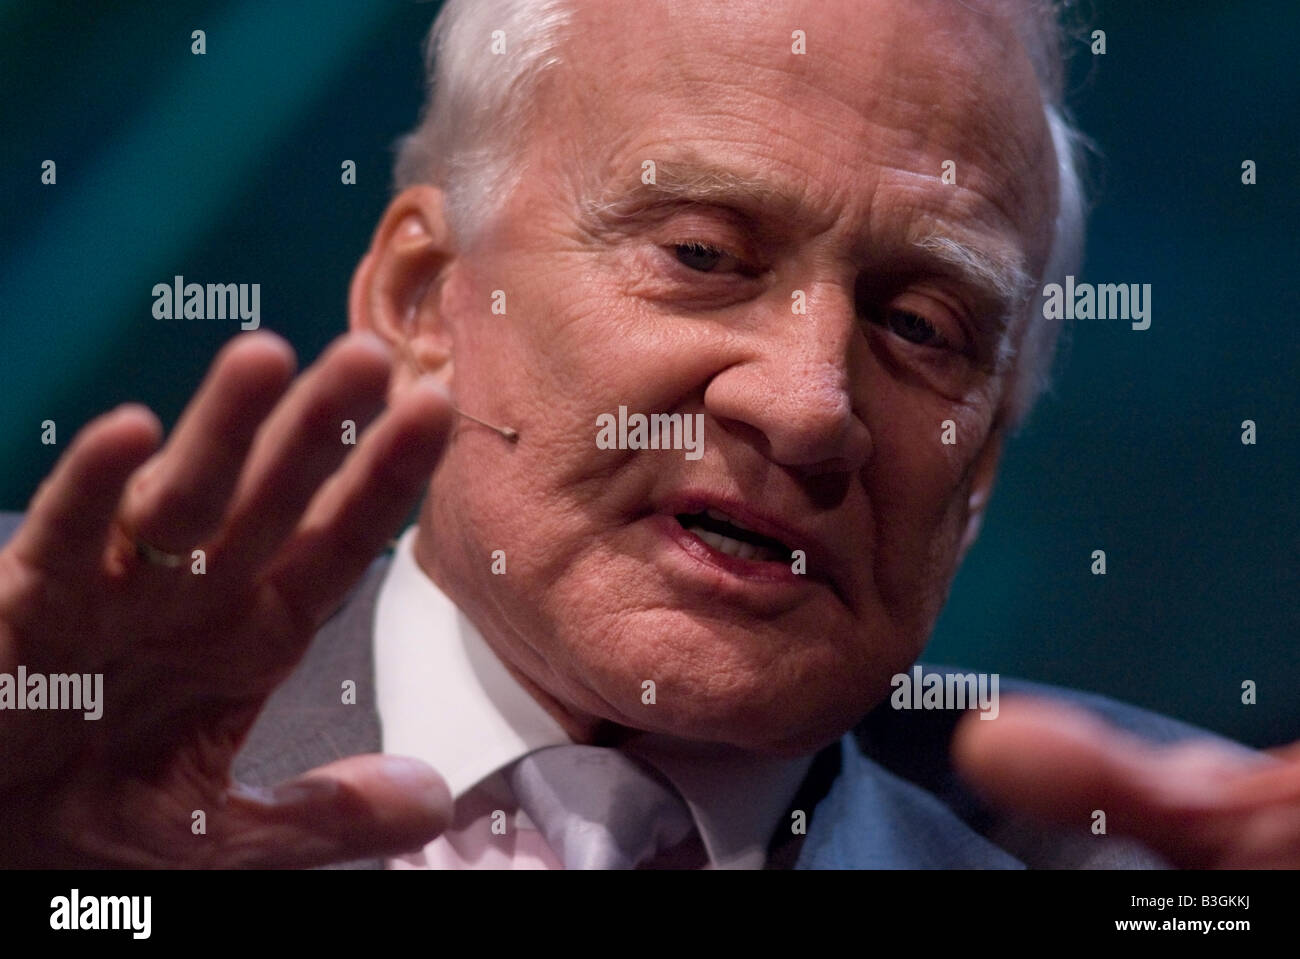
pixel 599 808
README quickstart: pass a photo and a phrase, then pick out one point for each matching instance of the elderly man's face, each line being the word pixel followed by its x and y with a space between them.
pixel 823 430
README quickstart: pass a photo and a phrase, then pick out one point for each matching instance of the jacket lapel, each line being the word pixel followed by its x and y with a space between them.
pixel 306 722
pixel 872 819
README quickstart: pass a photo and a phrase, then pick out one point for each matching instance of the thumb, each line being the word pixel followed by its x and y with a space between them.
pixel 356 808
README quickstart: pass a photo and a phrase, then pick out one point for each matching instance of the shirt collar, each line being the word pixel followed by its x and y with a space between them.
pixel 443 695
pixel 445 698
pixel 736 797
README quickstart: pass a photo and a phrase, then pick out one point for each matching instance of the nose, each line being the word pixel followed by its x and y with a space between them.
pixel 793 389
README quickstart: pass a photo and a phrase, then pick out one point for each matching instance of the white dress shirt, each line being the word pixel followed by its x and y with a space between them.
pixel 445 698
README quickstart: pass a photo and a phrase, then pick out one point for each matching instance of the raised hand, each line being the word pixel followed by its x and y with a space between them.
pixel 1199 804
pixel 99 579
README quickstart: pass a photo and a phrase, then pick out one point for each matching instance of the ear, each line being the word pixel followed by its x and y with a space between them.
pixel 983 473
pixel 395 289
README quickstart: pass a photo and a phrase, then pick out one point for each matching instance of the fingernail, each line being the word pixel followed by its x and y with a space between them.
pixel 418 780
pixel 299 791
pixel 402 771
pixel 374 342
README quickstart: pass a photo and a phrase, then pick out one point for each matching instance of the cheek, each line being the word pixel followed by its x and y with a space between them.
pixel 563 351
pixel 919 489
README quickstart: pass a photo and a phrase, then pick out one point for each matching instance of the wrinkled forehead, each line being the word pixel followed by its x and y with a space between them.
pixel 899 85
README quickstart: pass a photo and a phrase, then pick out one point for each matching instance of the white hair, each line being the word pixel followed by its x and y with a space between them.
pixel 475 120
pixel 477 114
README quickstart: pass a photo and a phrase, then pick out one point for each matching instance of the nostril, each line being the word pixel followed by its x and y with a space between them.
pixel 797 413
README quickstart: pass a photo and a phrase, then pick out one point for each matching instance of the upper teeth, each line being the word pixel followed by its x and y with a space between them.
pixel 724 518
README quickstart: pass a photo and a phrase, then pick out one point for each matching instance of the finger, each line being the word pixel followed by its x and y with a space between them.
pixel 1061 764
pixel 1289 752
pixel 300 445
pixel 357 513
pixel 178 498
pixel 68 521
pixel 357 808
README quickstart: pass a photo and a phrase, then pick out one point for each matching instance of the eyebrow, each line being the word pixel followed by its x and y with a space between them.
pixel 1003 280
pixel 683 183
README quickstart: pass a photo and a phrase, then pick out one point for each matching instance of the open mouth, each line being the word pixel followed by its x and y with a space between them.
pixel 729 536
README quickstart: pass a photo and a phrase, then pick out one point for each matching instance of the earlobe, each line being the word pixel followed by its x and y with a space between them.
pixel 394 291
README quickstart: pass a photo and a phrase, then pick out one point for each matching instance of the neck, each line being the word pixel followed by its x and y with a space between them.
pixel 585 730
pixel 582 728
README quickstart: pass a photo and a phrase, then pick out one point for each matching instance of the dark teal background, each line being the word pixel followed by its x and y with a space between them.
pixel 226 168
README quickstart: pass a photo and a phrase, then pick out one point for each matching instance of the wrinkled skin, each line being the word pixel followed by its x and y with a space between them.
pixel 822 427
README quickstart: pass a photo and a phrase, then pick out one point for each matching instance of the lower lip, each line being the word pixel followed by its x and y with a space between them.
pixel 754 571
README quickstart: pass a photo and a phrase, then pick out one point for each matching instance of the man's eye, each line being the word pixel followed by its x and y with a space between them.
pixel 705 258
pixel 914 328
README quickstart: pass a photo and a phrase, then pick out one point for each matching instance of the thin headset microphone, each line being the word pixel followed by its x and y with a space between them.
pixel 509 433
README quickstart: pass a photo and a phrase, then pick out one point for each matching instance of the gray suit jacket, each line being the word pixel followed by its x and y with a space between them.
pixel 883 796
